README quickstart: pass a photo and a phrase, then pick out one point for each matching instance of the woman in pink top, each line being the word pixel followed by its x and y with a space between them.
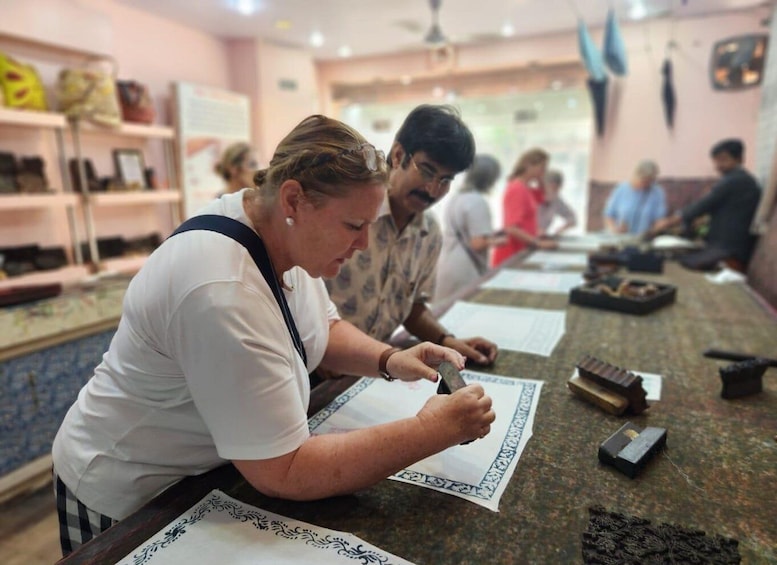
pixel 520 204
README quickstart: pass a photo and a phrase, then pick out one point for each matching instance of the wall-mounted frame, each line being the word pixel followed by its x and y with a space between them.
pixel 738 62
pixel 130 168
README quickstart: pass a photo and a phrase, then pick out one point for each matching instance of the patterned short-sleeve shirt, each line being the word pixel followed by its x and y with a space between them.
pixel 376 289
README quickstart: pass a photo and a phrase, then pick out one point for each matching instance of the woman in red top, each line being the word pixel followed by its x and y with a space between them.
pixel 519 209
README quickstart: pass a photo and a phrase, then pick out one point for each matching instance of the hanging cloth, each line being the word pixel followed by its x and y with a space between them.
pixel 614 48
pixel 667 93
pixel 597 75
pixel 590 54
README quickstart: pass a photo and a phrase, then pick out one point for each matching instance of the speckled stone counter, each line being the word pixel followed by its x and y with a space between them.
pixel 722 476
pixel 75 310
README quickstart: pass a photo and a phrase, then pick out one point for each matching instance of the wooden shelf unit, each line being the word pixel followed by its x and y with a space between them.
pixel 93 202
pixel 57 198
pixel 43 200
pixel 132 198
pixel 32 118
pixel 82 209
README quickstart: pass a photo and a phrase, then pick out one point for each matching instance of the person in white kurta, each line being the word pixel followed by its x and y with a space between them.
pixel 468 232
pixel 203 369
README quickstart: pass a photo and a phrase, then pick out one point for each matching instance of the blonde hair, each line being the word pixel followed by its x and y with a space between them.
pixel 326 157
pixel 531 157
pixel 232 156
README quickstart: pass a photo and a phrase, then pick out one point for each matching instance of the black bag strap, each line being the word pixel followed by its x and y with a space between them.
pixel 255 246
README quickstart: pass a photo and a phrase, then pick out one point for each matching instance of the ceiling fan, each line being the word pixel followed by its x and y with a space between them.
pixel 435 37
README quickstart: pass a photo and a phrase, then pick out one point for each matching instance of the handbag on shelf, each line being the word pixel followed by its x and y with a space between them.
pixel 19 260
pixel 92 183
pixel 107 248
pixel 136 105
pixel 8 173
pixel 20 85
pixel 89 92
pixel 50 258
pixel 31 176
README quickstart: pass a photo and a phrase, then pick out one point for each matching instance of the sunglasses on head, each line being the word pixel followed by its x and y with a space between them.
pixel 373 158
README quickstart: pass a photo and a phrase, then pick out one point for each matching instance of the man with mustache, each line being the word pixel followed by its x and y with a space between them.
pixel 389 283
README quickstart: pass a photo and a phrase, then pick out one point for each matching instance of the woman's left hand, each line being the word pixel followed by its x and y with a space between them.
pixel 421 361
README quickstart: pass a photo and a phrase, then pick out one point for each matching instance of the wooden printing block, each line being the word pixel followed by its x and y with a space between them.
pixel 630 448
pixel 620 381
pixel 743 378
pixel 450 381
pixel 598 395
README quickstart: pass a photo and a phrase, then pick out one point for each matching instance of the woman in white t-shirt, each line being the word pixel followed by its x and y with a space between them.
pixel 208 365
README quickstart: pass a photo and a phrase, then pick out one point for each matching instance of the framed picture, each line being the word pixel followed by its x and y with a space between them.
pixel 130 168
pixel 738 62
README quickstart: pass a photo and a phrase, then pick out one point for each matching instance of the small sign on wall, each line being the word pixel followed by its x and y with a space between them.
pixel 287 84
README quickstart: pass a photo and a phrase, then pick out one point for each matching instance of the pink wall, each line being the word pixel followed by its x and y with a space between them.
pixel 635 128
pixel 42 20
pixel 243 56
pixel 158 51
pixel 281 107
pixel 703 115
pixel 282 85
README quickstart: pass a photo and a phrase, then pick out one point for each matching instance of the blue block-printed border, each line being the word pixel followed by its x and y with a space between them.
pixel 508 451
pixel 218 502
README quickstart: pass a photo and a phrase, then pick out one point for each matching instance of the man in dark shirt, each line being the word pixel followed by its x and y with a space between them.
pixel 731 205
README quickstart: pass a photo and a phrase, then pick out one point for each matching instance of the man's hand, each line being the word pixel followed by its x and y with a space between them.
pixel 477 349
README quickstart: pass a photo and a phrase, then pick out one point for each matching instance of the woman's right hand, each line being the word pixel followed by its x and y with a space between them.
pixel 465 415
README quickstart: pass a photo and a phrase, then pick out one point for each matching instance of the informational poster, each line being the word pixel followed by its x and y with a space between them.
pixel 208 121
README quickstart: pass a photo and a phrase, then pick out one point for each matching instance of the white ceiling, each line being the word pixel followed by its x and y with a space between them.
pixel 383 26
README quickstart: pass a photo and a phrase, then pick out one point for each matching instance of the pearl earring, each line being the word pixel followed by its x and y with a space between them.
pixel 289 221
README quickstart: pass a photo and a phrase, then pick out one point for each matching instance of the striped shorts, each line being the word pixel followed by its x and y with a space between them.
pixel 77 523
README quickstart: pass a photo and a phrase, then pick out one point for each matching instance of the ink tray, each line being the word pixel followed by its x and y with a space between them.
pixel 630 257
pixel 619 294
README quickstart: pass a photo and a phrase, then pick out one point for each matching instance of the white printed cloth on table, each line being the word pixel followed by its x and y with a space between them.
pixel 557 259
pixel 479 471
pixel 534 281
pixel 529 330
pixel 220 529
